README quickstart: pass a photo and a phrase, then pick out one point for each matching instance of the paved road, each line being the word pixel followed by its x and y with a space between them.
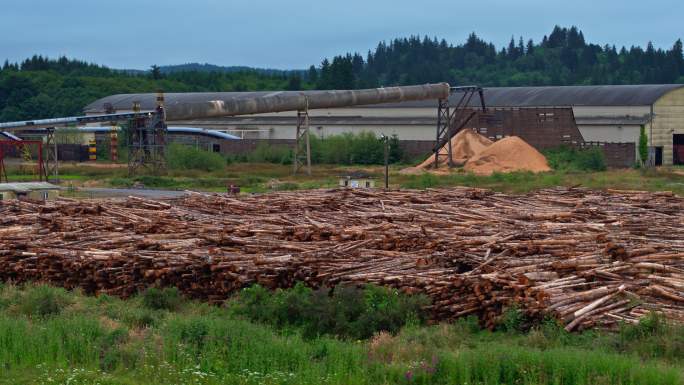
pixel 124 192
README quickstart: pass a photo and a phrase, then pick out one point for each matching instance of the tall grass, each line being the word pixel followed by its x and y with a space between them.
pixel 573 159
pixel 100 340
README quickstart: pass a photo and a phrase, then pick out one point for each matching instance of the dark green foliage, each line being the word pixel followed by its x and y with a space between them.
pixel 344 149
pixel 396 153
pixel 346 311
pixel 155 72
pixel 572 159
pixel 44 88
pixel 267 153
pixel 161 299
pixel 91 342
pixel 348 148
pixel 182 157
pixel 643 144
pixel 43 301
pixel 513 319
pixel 562 58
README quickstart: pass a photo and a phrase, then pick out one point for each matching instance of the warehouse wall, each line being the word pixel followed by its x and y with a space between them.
pixel 607 133
pixel 668 120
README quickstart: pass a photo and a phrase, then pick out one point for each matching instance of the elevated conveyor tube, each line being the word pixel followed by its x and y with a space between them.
pixel 302 100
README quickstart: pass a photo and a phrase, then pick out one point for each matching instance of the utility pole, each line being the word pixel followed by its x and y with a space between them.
pixel 385 140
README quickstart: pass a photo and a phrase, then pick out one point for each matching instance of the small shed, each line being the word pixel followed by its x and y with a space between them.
pixel 357 179
pixel 29 190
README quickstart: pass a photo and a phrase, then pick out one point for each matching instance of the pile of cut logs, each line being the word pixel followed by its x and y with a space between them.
pixel 589 258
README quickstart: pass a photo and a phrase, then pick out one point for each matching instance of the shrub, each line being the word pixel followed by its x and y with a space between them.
pixel 512 319
pixel 43 301
pixel 572 159
pixel 161 299
pixel 181 157
pixel 643 145
pixel 346 311
pixel 266 153
pixel 347 148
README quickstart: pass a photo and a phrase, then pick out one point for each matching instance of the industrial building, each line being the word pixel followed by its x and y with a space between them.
pixel 610 114
pixel 40 191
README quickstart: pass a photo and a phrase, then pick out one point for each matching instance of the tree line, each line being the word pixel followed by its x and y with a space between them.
pixel 561 58
pixel 40 87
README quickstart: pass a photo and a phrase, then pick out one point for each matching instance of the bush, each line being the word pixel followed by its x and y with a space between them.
pixel 512 319
pixel 643 145
pixel 161 299
pixel 347 148
pixel 572 159
pixel 181 157
pixel 43 301
pixel 347 311
pixel 266 153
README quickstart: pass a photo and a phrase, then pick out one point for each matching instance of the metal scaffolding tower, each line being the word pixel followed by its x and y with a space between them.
pixel 451 120
pixel 147 140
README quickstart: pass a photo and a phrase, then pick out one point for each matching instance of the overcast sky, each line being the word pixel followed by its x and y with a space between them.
pixel 290 34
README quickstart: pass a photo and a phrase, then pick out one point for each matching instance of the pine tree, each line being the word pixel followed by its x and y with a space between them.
pixel 294 83
pixel 313 74
pixel 512 52
pixel 155 72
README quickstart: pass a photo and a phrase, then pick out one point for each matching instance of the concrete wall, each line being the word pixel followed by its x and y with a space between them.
pixel 668 120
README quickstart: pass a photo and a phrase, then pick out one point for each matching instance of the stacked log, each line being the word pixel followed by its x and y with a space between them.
pixel 588 258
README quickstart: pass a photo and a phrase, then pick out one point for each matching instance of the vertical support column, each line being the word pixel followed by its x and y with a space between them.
pixel 52 159
pixel 302 150
pixel 443 117
pixel 3 171
pixel 113 144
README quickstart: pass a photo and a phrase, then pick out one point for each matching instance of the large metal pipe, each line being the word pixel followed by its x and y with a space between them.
pixel 302 100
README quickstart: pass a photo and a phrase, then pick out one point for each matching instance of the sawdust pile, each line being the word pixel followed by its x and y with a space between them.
pixel 507 155
pixel 464 145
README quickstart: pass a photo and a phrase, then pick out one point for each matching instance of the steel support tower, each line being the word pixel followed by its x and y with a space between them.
pixel 451 120
pixel 147 141
pixel 302 148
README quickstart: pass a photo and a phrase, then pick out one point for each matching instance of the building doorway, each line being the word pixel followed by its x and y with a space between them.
pixel 659 156
pixel 678 149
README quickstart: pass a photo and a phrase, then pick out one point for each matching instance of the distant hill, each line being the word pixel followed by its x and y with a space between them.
pixel 206 67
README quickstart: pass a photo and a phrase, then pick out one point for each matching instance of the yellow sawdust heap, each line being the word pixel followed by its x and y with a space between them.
pixel 464 145
pixel 507 155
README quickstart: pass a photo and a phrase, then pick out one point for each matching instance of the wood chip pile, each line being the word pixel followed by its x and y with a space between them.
pixel 590 258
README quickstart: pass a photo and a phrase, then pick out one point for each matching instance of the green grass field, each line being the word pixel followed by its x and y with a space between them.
pixel 265 177
pixel 51 336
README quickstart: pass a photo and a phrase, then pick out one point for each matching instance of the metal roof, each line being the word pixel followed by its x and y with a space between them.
pixel 561 96
pixel 27 186
pixel 9 135
pixel 612 121
pixel 564 96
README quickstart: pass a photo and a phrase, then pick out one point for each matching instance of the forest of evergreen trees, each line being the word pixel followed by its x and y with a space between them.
pixel 40 87
pixel 561 58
